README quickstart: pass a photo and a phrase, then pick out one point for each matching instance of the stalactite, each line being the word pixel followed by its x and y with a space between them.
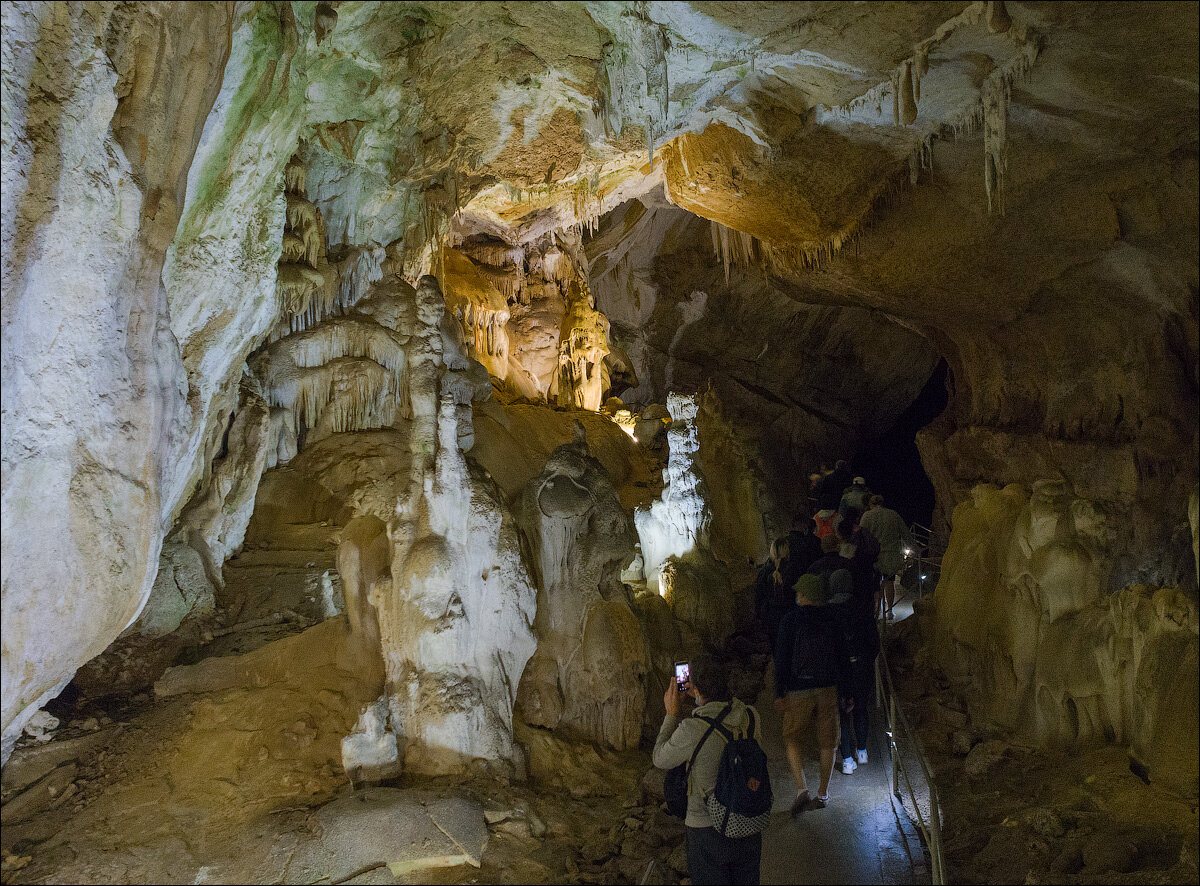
pixel 998 19
pixel 733 247
pixel 895 98
pixel 352 336
pixel 920 68
pixel 994 96
pixel 908 104
pixel 294 176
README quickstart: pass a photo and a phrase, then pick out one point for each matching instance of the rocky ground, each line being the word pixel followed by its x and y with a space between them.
pixel 1013 815
pixel 230 774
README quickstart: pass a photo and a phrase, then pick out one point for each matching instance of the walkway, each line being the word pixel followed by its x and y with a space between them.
pixel 863 836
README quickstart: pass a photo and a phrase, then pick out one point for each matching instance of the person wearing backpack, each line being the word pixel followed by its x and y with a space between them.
pixel 716 745
pixel 810 671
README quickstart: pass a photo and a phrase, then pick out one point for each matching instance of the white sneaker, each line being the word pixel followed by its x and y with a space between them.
pixel 862 756
pixel 848 765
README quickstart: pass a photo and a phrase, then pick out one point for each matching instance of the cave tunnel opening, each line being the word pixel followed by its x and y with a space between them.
pixel 892 465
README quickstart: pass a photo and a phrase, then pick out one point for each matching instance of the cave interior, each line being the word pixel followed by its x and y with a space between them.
pixel 394 392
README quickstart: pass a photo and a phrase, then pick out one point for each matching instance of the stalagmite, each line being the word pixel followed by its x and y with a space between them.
pixel 587 677
pixel 895 98
pixel 677 523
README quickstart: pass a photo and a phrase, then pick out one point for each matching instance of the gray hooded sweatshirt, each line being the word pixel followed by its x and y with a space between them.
pixel 677 739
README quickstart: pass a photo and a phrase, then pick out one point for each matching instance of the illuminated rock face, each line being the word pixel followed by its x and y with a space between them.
pixel 588 676
pixel 678 522
pixel 1026 626
pixel 527 313
pixel 93 390
pixel 455 616
pixel 170 172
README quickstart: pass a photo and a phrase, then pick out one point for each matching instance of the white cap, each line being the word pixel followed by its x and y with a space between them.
pixel 859 481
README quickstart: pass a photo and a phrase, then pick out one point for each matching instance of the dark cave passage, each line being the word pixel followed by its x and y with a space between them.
pixel 892 466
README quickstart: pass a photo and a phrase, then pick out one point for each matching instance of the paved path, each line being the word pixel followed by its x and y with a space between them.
pixel 863 836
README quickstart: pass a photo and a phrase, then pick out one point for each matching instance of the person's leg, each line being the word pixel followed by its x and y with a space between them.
pixel 703 864
pixel 827 735
pixel 864 696
pixel 796 716
pixel 889 591
pixel 745 860
pixel 846 750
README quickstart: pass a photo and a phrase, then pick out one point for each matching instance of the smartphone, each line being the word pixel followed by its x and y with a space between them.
pixel 681 674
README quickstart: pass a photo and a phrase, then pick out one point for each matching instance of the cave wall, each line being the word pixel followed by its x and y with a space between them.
pixel 1026 626
pixel 748 200
pixel 104 108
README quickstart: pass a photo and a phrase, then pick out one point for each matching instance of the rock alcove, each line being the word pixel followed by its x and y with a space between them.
pixel 392 392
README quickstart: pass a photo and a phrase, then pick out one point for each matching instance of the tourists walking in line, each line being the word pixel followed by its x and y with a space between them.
pixel 773 597
pixel 711 857
pixel 810 665
pixel 895 542
pixel 859 550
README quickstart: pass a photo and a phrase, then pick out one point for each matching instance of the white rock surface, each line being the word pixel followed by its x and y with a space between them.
pixel 678 522
pixel 588 676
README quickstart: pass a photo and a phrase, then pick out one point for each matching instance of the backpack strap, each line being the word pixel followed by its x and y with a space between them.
pixel 712 724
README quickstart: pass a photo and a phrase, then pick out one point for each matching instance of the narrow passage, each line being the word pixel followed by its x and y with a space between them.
pixel 863 836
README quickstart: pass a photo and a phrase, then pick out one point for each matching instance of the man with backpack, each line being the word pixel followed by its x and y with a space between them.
pixel 728 791
pixel 810 668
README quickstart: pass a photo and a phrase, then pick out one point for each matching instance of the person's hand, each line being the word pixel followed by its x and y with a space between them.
pixel 781 704
pixel 673 698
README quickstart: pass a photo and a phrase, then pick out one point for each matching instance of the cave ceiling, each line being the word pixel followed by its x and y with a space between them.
pixel 1047 142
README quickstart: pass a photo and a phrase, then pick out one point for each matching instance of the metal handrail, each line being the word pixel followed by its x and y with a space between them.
pixel 897 727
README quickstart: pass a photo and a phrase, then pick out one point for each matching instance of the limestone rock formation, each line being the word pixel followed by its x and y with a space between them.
pixel 1027 627
pixel 588 675
pixel 218 221
pixel 678 522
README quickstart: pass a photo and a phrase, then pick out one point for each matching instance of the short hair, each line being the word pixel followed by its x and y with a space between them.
pixel 877 500
pixel 840 463
pixel 849 523
pixel 830 543
pixel 709 676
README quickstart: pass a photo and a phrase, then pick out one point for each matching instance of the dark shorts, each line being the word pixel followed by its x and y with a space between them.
pixel 713 859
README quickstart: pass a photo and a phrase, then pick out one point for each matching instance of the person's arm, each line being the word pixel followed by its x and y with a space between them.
pixel 676 740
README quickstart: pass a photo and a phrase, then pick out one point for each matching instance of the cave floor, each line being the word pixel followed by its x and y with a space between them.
pixel 861 837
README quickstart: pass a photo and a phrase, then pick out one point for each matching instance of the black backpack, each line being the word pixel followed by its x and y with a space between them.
pixel 675 785
pixel 816 653
pixel 740 804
